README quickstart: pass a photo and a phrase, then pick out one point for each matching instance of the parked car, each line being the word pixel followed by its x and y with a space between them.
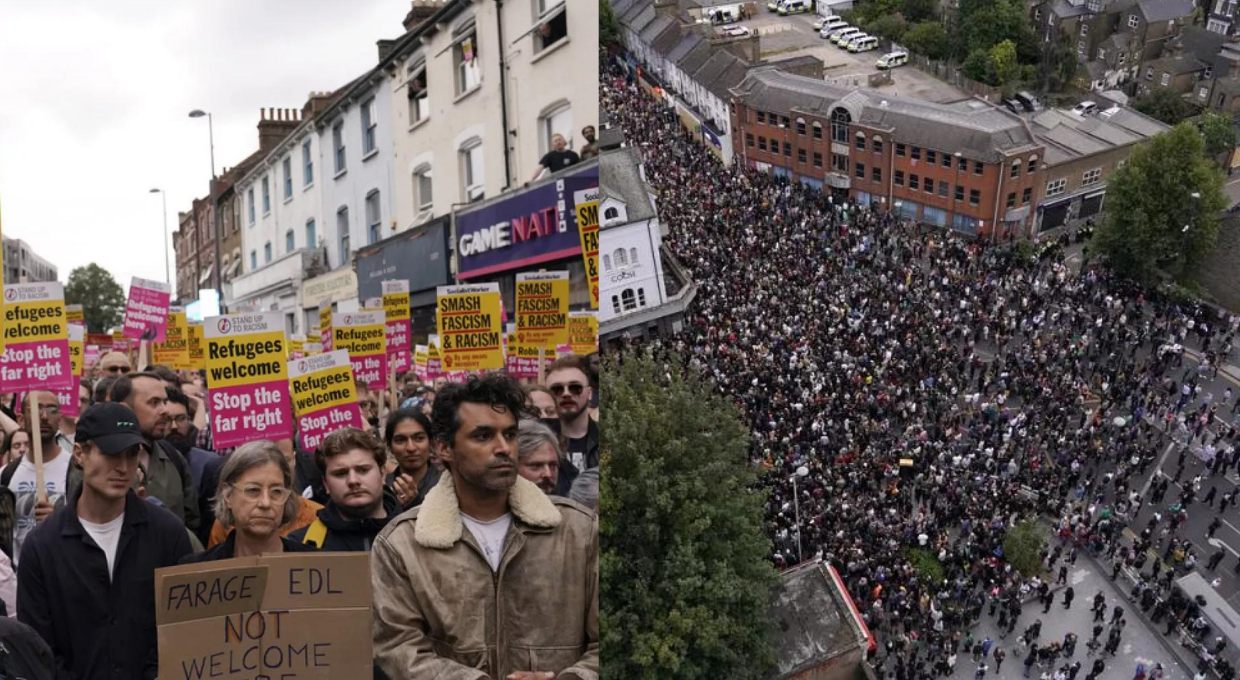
pixel 1085 108
pixel 1028 101
pixel 845 35
pixel 1014 106
pixel 892 60
pixel 735 31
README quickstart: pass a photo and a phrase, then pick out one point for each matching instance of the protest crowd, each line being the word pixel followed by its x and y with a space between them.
pixel 925 393
pixel 134 484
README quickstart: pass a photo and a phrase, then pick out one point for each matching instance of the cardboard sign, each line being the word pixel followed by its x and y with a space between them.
pixel 174 350
pixel 419 362
pixel 542 308
pixel 120 343
pixel 434 360
pixel 470 328
pixel 247 372
pixel 90 357
pixel 587 225
pixel 399 327
pixel 298 616
pixel 197 346
pixel 296 346
pixel 583 332
pixel 77 344
pixel 522 358
pixel 325 326
pixel 362 335
pixel 146 314
pixel 324 396
pixel 36 339
pixel 75 314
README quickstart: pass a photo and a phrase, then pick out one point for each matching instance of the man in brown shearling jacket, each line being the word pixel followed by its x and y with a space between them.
pixel 489 577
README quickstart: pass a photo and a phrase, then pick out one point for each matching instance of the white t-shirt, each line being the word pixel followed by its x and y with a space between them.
pixel 106 536
pixel 490 536
pixel 55 472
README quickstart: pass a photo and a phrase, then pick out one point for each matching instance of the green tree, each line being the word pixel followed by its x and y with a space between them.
pixel 919 10
pixel 608 26
pixel 928 38
pixel 890 26
pixel 992 23
pixel 1153 216
pixel 685 576
pixel 1023 546
pixel 978 67
pixel 1162 104
pixel 1004 67
pixel 1219 135
pixel 101 297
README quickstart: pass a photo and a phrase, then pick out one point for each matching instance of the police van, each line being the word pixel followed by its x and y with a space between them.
pixel 863 43
pixel 787 7
pixel 892 60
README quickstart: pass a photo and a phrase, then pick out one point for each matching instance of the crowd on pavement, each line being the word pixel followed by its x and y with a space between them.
pixel 503 475
pixel 914 394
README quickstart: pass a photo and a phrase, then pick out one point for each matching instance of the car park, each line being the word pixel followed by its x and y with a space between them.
pixel 844 36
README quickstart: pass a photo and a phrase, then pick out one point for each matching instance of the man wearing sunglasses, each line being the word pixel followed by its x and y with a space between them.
pixel 114 364
pixel 579 434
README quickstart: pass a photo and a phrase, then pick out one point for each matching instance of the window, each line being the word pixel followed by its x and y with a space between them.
pixel 876 144
pixel 943 188
pixel 1026 196
pixel 762 144
pixel 962 164
pixel 1091 176
pixel 1132 21
pixel 558 121
pixel 1149 73
pixel 1084 28
pixel 628 299
pixel 307 164
pixel 914 181
pixel 784 122
pixel 607 263
pixel 615 304
pixel 267 252
pixel 800 126
pixel 839 163
pixel 621 257
pixel 338 146
pixel 762 117
pixel 1056 187
pixel 817 130
pixel 471 171
pixel 253 259
pixel 250 196
pixel 1122 58
pixel 374 220
pixel 840 120
pixel 641 297
pixel 927 185
pixel 931 157
pixel 1033 165
pixel 946 160
pixel 1165 80
pixel 788 149
pixel 1011 200
pixel 611 214
pixel 959 193
pixel 859 142
pixel 342 228
pixel 465 57
pixel 876 174
pixel 552 26
pixel 368 126
pixel 975 197
pixel 288 177
pixel 749 139
pixel 801 155
pixel 977 167
pixel 916 155
pixel 311 239
pixel 898 178
pixel 1203 93
pixel 422 186
pixel 859 171
pixel 633 256
pixel 900 149
pixel 817 159
pixel 266 197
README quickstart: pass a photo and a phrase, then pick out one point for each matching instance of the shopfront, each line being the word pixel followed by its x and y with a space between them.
pixel 531 230
pixel 419 256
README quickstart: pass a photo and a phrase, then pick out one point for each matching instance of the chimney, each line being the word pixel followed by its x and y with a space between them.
pixel 747 48
pixel 420 12
pixel 273 126
pixel 385 48
pixel 316 103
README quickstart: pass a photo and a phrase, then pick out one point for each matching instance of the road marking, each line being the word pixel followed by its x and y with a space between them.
pixel 1078 576
pixel 1217 543
pixel 1157 470
pixel 1231 526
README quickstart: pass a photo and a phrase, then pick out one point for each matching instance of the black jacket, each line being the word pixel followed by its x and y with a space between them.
pixel 226 549
pixel 351 535
pixel 96 627
pixel 568 472
pixel 429 480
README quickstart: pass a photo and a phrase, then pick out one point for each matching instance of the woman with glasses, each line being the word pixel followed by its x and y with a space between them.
pixel 254 500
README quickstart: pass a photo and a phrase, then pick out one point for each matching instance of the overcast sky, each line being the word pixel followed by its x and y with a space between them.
pixel 94 98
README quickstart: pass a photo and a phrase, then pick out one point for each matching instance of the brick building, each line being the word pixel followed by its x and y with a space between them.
pixel 967 165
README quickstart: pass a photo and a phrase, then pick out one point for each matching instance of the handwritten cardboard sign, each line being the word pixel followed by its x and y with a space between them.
pixel 146 314
pixel 247 372
pixel 324 396
pixel 276 616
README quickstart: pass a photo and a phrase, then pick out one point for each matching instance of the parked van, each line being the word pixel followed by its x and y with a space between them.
pixel 1028 101
pixel 863 44
pixel 892 60
pixel 830 25
pixel 845 35
pixel 795 7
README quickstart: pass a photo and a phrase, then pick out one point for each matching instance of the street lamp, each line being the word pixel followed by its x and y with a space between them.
pixel 215 206
pixel 796 499
pixel 167 270
pixel 956 188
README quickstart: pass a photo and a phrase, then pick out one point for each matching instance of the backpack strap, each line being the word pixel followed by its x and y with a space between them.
pixel 315 534
pixel 9 470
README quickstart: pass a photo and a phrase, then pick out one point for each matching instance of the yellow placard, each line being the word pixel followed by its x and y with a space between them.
pixel 323 389
pixel 296 347
pixel 197 348
pixel 396 306
pixel 1 266
pixel 420 355
pixel 75 314
pixel 470 328
pixel 587 227
pixel 174 350
pixel 542 308
pixel 246 359
pixel 359 340
pixel 583 332
pixel 325 327
pixel 35 321
pixel 76 348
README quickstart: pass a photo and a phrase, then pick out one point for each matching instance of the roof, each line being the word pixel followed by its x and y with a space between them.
pixel 1068 136
pixel 687 42
pixel 1066 10
pixel 631 12
pixel 642 17
pixel 977 129
pixel 1117 41
pixel 1176 65
pixel 620 177
pixel 1229 86
pixel 1165 10
pixel 656 28
pixel 619 7
pixel 713 68
pixel 813 622
pixel 696 57
pixel 1201 43
pixel 666 39
pixel 1097 70
pixel 730 78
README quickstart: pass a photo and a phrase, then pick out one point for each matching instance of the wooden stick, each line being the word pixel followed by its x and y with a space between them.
pixel 36 442
pixel 391 386
pixel 542 369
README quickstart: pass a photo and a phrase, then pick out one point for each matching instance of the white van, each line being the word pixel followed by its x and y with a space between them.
pixel 892 60
pixel 795 7
pixel 863 44
pixel 832 24
pixel 846 35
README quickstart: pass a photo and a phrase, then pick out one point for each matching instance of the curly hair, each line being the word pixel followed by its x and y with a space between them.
pixel 345 440
pixel 497 390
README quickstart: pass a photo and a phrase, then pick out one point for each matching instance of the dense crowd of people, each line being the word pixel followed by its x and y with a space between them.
pixel 924 393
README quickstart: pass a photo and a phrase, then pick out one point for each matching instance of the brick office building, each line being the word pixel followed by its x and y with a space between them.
pixel 966 165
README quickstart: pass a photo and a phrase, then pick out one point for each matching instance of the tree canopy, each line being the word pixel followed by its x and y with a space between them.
pixel 1162 104
pixel 101 297
pixel 608 26
pixel 684 569
pixel 1219 135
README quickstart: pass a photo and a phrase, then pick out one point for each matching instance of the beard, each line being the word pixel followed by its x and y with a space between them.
pixel 184 442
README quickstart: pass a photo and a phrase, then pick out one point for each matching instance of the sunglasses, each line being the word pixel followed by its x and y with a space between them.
pixel 117 369
pixel 574 388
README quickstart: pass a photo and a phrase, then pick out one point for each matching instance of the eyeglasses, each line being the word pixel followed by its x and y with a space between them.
pixel 180 419
pixel 575 388
pixel 50 409
pixel 117 369
pixel 254 492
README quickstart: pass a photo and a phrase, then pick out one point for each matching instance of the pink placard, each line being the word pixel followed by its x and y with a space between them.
pixel 396 334
pixel 40 365
pixel 68 398
pixel 313 427
pixel 245 413
pixel 370 370
pixel 146 315
pixel 89 356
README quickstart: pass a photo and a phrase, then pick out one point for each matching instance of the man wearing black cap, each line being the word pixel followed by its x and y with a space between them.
pixel 85 576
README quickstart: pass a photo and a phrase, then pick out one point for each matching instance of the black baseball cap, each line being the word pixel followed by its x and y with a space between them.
pixel 113 427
